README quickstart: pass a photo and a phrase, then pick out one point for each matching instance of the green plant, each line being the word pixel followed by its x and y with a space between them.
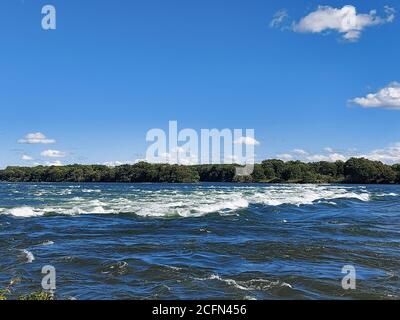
pixel 40 295
pixel 3 294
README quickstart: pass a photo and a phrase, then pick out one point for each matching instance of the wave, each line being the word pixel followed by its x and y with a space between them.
pixel 91 190
pixel 47 243
pixel 24 212
pixel 391 194
pixel 195 202
pixel 28 255
pixel 248 285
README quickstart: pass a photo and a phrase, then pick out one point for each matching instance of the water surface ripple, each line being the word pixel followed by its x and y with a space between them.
pixel 201 241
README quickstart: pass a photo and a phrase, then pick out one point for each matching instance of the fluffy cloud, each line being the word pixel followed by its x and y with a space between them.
pixel 332 157
pixel 285 156
pixel 389 155
pixel 36 138
pixel 388 97
pixel 247 141
pixel 26 158
pixel 346 21
pixel 120 163
pixel 300 154
pixel 56 163
pixel 53 154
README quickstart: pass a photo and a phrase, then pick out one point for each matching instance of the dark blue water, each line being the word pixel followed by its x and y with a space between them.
pixel 202 241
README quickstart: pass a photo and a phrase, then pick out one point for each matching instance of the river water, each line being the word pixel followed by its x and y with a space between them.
pixel 201 241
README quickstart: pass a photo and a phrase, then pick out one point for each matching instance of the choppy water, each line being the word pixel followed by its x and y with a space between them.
pixel 201 241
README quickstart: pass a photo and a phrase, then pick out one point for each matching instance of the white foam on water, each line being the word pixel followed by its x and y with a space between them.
pixel 65 192
pixel 173 268
pixel 304 195
pixel 230 282
pixel 83 210
pixel 196 201
pixel 391 194
pixel 248 285
pixel 24 212
pixel 29 256
pixel 47 243
pixel 91 190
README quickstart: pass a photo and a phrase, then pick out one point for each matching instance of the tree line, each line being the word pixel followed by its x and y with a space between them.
pixel 355 170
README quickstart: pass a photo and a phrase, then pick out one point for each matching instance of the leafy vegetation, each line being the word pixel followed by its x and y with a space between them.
pixel 3 294
pixel 355 170
pixel 40 295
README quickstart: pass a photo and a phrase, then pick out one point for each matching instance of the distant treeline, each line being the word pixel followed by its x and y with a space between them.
pixel 355 170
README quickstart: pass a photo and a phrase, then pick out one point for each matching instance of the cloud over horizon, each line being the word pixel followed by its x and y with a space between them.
pixel 56 163
pixel 388 155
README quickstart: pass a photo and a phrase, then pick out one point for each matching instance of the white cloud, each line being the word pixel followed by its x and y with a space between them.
pixel 345 21
pixel 300 154
pixel 120 163
pixel 26 158
pixel 53 154
pixel 388 97
pixel 390 154
pixel 279 18
pixel 332 157
pixel 247 141
pixel 56 163
pixel 36 138
pixel 285 156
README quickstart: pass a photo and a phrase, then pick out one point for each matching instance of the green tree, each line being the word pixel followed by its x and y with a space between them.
pixel 258 173
pixel 396 169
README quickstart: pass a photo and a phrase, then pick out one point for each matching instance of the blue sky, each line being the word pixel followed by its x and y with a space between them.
pixel 112 70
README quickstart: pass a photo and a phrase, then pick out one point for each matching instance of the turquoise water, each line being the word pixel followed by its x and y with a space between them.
pixel 201 241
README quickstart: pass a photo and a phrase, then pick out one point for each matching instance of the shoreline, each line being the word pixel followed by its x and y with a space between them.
pixel 202 183
pixel 273 171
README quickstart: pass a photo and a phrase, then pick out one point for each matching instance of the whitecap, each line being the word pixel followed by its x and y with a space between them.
pixel 173 268
pixel 91 190
pixel 230 282
pixel 47 243
pixel 250 298
pixel 199 201
pixel 24 212
pixel 85 210
pixel 29 256
pixel 248 285
pixel 391 194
